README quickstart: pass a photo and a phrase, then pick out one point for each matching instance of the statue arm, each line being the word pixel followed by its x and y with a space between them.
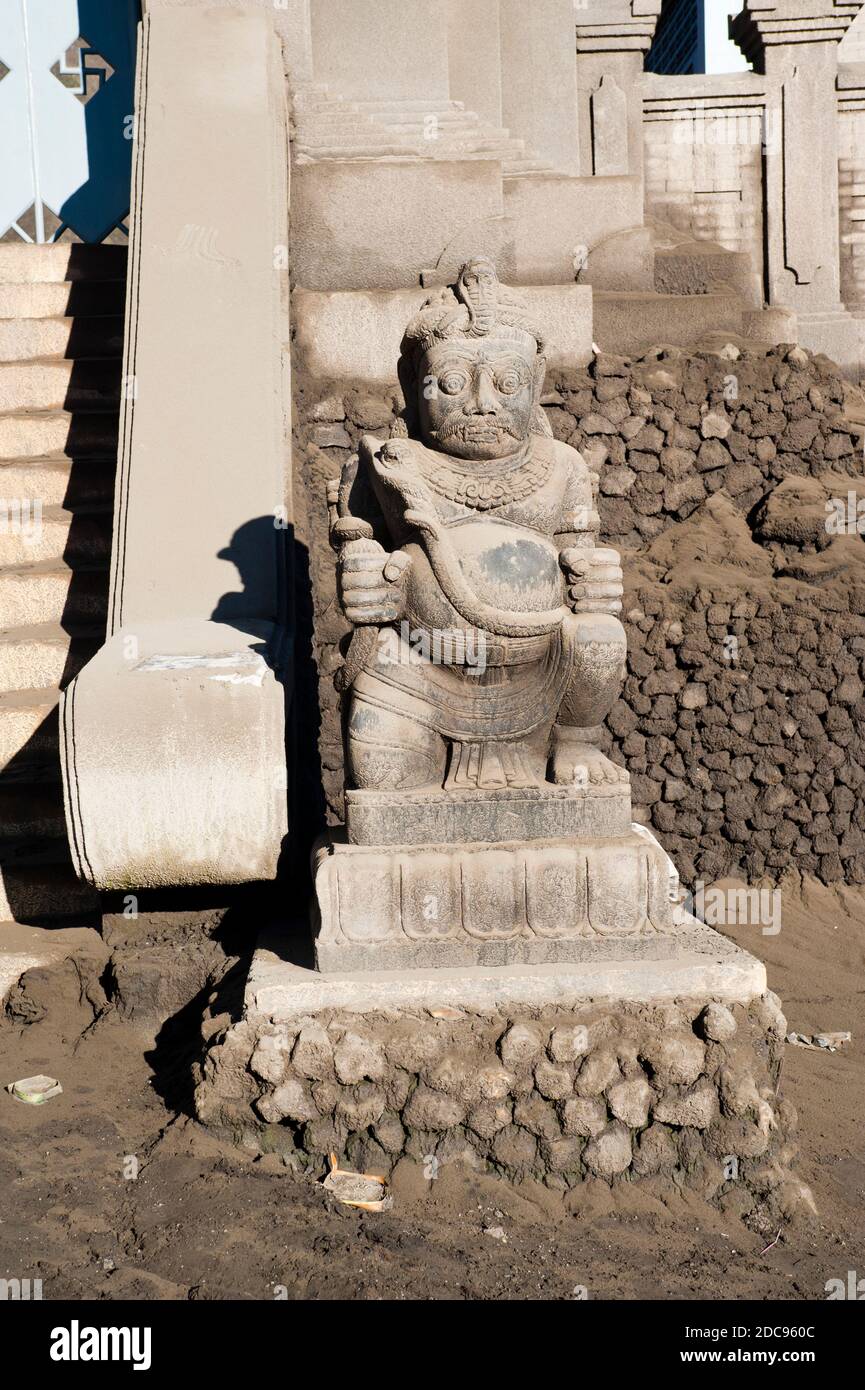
pixel 593 573
pixel 370 579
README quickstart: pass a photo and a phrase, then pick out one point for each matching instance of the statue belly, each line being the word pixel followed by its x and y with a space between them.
pixel 505 566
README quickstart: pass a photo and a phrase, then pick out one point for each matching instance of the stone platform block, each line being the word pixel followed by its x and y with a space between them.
pixel 692 960
pixel 481 904
pixel 483 816
pixel 389 218
pixel 356 335
pixel 656 1060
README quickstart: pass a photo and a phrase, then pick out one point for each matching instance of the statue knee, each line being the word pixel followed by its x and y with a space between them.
pixel 598 650
pixel 388 752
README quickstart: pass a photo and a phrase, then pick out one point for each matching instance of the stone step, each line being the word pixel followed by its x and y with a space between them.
pixel 44 656
pixel 57 482
pixel 630 322
pixel 56 533
pixel 695 269
pixel 62 299
pixel 419 149
pixel 411 104
pixel 517 168
pixel 76 386
pixel 324 106
pixel 327 101
pixel 445 120
pixel 58 434
pixel 37 881
pixel 387 131
pixel 347 134
pixel 51 592
pixel 29 814
pixel 28 730
pixel 45 891
pixel 63 260
pixel 361 137
pixel 395 119
pixel 335 113
pixel 25 339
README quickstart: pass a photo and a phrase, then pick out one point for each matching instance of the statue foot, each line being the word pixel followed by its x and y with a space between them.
pixel 489 767
pixel 583 765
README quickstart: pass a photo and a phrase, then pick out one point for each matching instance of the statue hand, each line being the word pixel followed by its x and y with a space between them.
pixel 371 586
pixel 386 454
pixel 594 579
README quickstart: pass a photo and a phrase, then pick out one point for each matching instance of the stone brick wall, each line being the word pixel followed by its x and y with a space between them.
pixel 668 431
pixel 742 714
pixel 704 166
pixel 851 185
pixel 741 719
pixel 331 421
pixel 753 765
pixel 684 1091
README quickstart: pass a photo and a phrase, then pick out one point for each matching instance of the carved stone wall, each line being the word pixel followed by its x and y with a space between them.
pixel 704 160
pixel 851 186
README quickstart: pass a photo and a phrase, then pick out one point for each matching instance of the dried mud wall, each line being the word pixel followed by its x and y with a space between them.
pixel 741 718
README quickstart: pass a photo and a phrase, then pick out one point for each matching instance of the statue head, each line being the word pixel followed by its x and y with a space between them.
pixel 478 368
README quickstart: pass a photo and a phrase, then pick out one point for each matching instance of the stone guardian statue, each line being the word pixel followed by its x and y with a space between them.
pixel 483 821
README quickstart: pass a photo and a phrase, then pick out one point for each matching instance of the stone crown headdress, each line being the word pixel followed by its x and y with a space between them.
pixel 477 306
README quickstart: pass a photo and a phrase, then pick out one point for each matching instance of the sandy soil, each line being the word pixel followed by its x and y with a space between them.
pixel 202 1220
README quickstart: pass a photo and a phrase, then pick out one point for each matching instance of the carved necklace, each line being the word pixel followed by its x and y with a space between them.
pixel 483 494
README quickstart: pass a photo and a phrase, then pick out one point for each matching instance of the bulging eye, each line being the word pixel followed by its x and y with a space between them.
pixel 452 383
pixel 509 383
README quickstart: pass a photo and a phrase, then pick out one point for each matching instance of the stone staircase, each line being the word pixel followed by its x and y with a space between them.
pixel 61 336
pixel 328 126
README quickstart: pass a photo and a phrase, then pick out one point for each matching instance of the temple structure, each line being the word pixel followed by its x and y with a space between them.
pixel 357 588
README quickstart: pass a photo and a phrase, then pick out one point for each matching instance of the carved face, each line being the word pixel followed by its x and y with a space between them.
pixel 477 396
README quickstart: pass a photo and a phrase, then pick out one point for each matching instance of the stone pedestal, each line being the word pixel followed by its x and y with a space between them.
pixel 463 904
pixel 483 816
pixel 505 974
pixel 487 877
pixel 655 1062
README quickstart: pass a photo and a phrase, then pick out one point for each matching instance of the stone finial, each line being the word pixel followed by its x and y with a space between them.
pixel 766 24
pixel 605 26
